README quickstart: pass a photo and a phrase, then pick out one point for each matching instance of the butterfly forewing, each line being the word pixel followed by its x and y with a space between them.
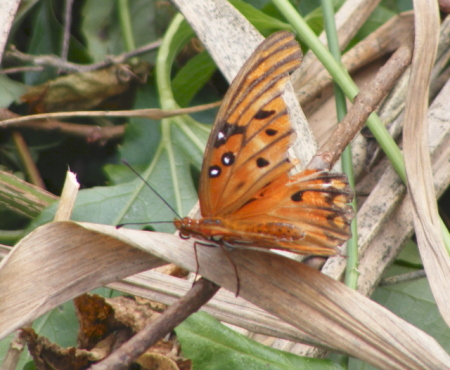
pixel 248 145
pixel 247 197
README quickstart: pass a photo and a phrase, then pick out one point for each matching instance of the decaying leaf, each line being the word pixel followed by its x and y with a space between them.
pixel 107 88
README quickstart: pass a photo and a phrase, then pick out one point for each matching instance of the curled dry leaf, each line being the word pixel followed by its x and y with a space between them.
pixel 429 228
pixel 47 355
pixel 87 90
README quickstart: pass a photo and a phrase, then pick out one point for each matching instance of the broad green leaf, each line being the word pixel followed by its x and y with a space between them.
pixel 260 20
pixel 410 255
pixel 192 77
pixel 102 31
pixel 414 302
pixel 45 31
pixel 46 34
pixel 165 161
pixel 212 345
pixel 10 91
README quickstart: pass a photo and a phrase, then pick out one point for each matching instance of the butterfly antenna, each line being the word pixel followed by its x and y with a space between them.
pixel 151 187
pixel 118 226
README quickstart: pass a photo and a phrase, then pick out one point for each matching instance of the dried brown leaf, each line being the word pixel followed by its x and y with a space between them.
pixel 58 262
pixel 427 224
pixel 47 355
pixel 338 317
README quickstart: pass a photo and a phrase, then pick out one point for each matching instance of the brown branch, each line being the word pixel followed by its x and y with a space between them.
pixel 54 61
pixel 364 104
pixel 66 33
pixel 21 69
pixel 152 113
pixel 27 160
pixel 92 134
pixel 201 292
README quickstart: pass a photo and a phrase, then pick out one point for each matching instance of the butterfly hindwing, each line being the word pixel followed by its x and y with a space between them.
pixel 311 205
pixel 252 132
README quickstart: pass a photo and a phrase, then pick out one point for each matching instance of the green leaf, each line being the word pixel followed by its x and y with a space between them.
pixel 166 162
pixel 102 31
pixel 260 20
pixel 410 255
pixel 378 17
pixel 10 91
pixel 45 33
pixel 212 345
pixel 414 302
pixel 192 77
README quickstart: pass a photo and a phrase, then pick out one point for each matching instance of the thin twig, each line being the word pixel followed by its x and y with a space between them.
pixel 92 134
pixel 54 61
pixel 152 113
pixel 21 69
pixel 67 24
pixel 364 104
pixel 27 160
pixel 201 292
pixel 410 276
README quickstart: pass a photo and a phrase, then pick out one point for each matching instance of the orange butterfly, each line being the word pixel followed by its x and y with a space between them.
pixel 247 197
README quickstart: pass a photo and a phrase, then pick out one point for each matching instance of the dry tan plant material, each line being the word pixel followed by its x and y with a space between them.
pixel 359 326
pixel 427 224
pixel 85 256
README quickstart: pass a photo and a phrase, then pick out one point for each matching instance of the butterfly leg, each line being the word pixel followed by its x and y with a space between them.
pixel 197 264
pixel 224 247
pixel 226 251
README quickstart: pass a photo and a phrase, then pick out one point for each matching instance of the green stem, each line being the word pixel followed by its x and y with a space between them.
pixel 351 274
pixel 125 24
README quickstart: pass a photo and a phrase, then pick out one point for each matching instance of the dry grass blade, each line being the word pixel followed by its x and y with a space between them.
pixel 68 197
pixel 58 262
pixel 312 89
pixel 417 159
pixel 98 254
pixel 89 255
pixel 326 306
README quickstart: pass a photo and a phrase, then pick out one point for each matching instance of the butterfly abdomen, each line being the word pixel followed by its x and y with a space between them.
pixel 276 230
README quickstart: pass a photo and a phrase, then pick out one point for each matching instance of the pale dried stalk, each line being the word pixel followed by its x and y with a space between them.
pixel 68 197
pixel 427 223
pixel 313 92
pixel 349 19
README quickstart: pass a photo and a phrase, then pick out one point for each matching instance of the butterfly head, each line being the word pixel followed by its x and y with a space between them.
pixel 203 229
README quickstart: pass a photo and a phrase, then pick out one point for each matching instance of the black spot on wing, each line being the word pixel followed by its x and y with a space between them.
pixel 297 196
pixel 263 114
pixel 214 171
pixel 271 132
pixel 228 158
pixel 262 162
pixel 226 131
